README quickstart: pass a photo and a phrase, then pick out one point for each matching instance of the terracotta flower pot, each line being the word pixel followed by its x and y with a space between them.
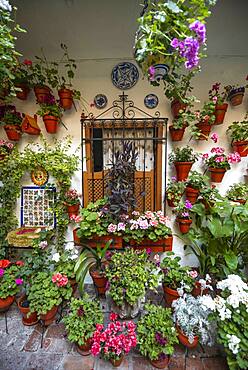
pixel 161 364
pixel 197 290
pixel 184 339
pixel 66 98
pixel 13 132
pixel 184 225
pixel 161 245
pixel 182 170
pixel 84 349
pixel 73 284
pixel 23 94
pixel 102 240
pixel 50 316
pixel 204 128
pixel 51 123
pixel 41 93
pixel 116 363
pixel 72 209
pixel 5 303
pixel 27 320
pixel 236 96
pixel 176 133
pixel 220 111
pixel 100 281
pixel 170 295
pixel 192 194
pixel 176 106
pixel 216 174
pixel 241 147
pixel 75 237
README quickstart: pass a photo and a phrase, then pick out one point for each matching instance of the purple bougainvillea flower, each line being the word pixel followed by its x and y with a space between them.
pixel 174 43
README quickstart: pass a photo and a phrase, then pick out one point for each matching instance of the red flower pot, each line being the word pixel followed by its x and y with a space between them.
pixel 197 290
pixel 84 349
pixel 176 133
pixel 13 132
pixel 100 281
pixel 184 225
pixel 27 320
pixel 66 98
pixel 50 316
pixel 116 363
pixel 23 94
pixel 161 364
pixel 75 237
pixel 182 170
pixel 204 128
pixel 170 295
pixel 41 93
pixel 5 303
pixel 216 174
pixel 220 111
pixel 192 194
pixel 102 240
pixel 51 123
pixel 72 209
pixel 241 147
pixel 184 339
pixel 161 245
pixel 176 107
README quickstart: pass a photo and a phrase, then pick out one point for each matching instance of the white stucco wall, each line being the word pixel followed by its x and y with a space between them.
pixel 100 34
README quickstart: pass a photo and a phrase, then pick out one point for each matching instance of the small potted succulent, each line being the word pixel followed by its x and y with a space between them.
pixel 218 163
pixel 51 112
pixel 183 159
pixel 5 149
pixel 72 202
pixel 183 217
pixel 176 278
pixel 219 99
pixel 115 341
pixel 196 181
pixel 81 321
pixel 179 125
pixel 238 193
pixel 128 285
pixel 157 335
pixel 174 191
pixel 12 121
pixel 205 119
pixel 192 321
pixel 22 79
pixel 10 283
pixel 238 132
pixel 236 93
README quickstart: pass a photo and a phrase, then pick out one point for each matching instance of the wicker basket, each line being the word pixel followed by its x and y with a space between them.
pixel 23 236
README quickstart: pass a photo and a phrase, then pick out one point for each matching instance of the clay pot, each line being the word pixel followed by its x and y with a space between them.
pixel 171 202
pixel 197 290
pixel 27 320
pixel 170 295
pixel 182 170
pixel 220 111
pixel 100 241
pixel 184 339
pixel 161 245
pixel 161 364
pixel 75 237
pixel 51 123
pixel 41 93
pixel 100 280
pixel 241 147
pixel 176 107
pixel 84 349
pixel 216 174
pixel 73 284
pixel 176 133
pixel 5 303
pixel 236 96
pixel 192 194
pixel 72 209
pixel 66 98
pixel 204 128
pixel 116 363
pixel 50 316
pixel 23 94
pixel 13 132
pixel 184 225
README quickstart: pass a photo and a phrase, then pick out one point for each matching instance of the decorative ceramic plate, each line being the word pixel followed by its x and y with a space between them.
pixel 100 101
pixel 161 70
pixel 125 75
pixel 151 101
pixel 39 176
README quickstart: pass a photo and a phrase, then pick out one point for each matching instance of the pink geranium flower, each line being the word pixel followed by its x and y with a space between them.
pixel 214 137
pixel 112 228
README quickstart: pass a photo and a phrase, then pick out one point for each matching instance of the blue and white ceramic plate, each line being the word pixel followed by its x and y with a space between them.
pixel 125 75
pixel 151 101
pixel 100 101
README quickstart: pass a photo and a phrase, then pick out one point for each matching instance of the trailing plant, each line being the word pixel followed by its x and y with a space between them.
pixel 238 192
pixel 183 120
pixel 177 87
pixel 23 73
pixel 11 116
pixel 10 280
pixel 156 332
pixel 238 130
pixel 82 319
pixel 196 180
pixel 175 190
pixel 72 197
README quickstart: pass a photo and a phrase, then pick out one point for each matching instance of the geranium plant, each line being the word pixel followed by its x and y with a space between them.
pixel 218 158
pixel 183 120
pixel 203 117
pixel 175 190
pixel 50 107
pixel 182 210
pixel 238 130
pixel 216 96
pixel 10 279
pixel 184 154
pixel 65 262
pixel 196 180
pixel 23 73
pixel 72 197
pixel 5 147
pixel 238 192
pixel 11 117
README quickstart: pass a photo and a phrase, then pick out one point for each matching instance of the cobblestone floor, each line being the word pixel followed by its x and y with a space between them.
pixel 20 349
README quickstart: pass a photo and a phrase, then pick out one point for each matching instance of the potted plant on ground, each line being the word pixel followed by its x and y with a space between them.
pixel 81 322
pixel 115 341
pixel 10 283
pixel 23 79
pixel 183 217
pixel 12 121
pixel 218 163
pixel 51 112
pixel 174 191
pixel 196 181
pixel 183 159
pixel 205 119
pixel 127 286
pixel 72 202
pixel 238 193
pixel 176 279
pixel 179 125
pixel 28 318
pixel 236 93
pixel 157 335
pixel 192 321
pixel 5 149
pixel 219 99
pixel 238 131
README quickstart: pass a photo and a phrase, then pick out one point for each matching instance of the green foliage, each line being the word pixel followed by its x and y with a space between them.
pixel 11 117
pixel 238 192
pixel 81 322
pixel 128 284
pixel 238 131
pixel 8 286
pixel 175 190
pixel 50 109
pixel 183 120
pixel 206 115
pixel 184 154
pixel 178 85
pixel 196 180
pixel 156 322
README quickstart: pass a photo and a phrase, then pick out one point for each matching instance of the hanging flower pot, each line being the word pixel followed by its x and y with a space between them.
pixel 182 170
pixel 236 96
pixel 241 147
pixel 217 174
pixel 161 363
pixel 5 303
pixel 66 98
pixel 100 280
pixel 220 111
pixel 176 107
pixel 50 316
pixel 170 295
pixel 176 133
pixel 13 132
pixel 23 306
pixel 51 123
pixel 72 209
pixel 116 362
pixel 41 93
pixel 192 194
pixel 204 127
pixel 23 94
pixel 184 224
pixel 84 349
pixel 185 341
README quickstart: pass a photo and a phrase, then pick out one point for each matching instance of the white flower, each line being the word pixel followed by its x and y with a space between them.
pixel 5 5
pixel 233 343
pixel 43 244
pixel 74 256
pixel 56 257
pixel 207 302
pixel 69 246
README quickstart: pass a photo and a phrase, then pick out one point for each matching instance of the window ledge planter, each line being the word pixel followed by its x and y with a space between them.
pixel 5 303
pixel 241 147
pixel 161 245
pixel 176 133
pixel 185 341
pixel 102 240
pixel 220 111
pixel 66 98
pixel 176 107
pixel 216 174
pixel 192 194
pixel 182 170
pixel 51 123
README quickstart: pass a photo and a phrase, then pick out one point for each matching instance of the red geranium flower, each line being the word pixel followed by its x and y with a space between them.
pixel 4 263
pixel 27 62
pixel 19 263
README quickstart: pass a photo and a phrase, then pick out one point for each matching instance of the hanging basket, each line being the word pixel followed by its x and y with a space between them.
pixel 220 111
pixel 182 170
pixel 241 147
pixel 66 98
pixel 216 174
pixel 176 133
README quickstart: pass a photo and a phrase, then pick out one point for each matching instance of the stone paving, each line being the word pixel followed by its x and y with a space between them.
pixel 20 349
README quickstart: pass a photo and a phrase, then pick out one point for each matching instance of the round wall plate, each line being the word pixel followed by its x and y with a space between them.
pixel 39 176
pixel 151 101
pixel 125 75
pixel 100 101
